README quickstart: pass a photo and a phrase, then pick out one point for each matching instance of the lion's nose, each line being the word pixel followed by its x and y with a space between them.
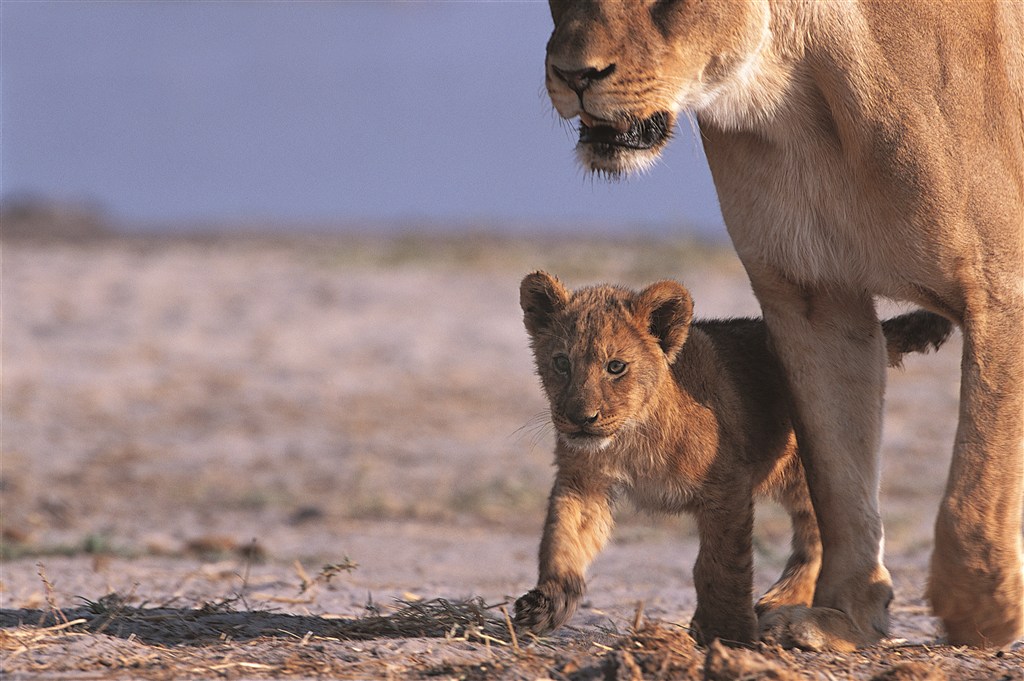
pixel 579 80
pixel 584 419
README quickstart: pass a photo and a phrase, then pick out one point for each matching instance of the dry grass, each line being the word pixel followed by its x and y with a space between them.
pixel 414 638
pixel 431 639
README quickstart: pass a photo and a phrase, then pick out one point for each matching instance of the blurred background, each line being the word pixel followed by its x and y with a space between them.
pixel 261 266
pixel 333 114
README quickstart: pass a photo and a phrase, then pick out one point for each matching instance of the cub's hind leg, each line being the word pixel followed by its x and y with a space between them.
pixel 796 584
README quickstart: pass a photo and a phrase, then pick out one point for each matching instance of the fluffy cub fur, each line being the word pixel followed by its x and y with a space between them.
pixel 678 416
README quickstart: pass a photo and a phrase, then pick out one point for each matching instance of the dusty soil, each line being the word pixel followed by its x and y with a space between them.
pixel 244 457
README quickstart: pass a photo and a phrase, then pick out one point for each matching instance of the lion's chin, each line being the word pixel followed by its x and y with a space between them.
pixel 589 444
pixel 613 151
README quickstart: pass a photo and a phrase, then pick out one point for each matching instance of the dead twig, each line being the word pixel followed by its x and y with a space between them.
pixel 511 629
pixel 51 600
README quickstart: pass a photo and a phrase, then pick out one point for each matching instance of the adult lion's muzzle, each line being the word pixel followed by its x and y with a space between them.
pixel 640 135
pixel 616 149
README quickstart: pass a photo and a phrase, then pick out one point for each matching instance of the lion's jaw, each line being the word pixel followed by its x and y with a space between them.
pixel 663 65
pixel 585 443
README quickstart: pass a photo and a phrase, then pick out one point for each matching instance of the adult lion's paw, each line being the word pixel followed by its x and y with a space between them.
pixel 814 629
pixel 545 608
pixel 983 609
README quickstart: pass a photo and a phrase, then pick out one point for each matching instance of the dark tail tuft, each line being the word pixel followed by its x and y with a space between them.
pixel 916 331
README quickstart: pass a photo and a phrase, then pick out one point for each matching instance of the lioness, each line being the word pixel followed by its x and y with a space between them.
pixel 859 148
pixel 677 416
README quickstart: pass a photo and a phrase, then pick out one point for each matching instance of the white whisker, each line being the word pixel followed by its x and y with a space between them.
pixel 534 430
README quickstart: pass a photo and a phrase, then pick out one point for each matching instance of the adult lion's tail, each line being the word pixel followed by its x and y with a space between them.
pixel 916 331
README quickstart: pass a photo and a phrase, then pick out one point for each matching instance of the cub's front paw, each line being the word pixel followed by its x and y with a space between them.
pixel 731 625
pixel 546 608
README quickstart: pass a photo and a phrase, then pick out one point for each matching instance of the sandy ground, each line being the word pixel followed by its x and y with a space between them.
pixel 210 424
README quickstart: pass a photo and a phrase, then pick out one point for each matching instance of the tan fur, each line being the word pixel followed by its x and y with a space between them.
pixel 859 148
pixel 677 417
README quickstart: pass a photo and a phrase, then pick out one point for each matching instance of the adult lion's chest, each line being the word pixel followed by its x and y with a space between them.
pixel 823 196
pixel 804 211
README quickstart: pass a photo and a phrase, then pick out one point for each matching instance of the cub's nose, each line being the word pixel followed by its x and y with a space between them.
pixel 579 80
pixel 584 419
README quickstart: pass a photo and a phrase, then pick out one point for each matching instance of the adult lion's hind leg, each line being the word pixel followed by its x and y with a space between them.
pixel 976 586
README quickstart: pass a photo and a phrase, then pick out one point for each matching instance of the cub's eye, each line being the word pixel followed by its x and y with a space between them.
pixel 562 364
pixel 616 367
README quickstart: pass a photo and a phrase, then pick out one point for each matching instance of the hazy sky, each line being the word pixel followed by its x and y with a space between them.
pixel 310 111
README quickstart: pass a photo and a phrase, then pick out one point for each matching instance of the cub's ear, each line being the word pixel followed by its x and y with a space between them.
pixel 667 309
pixel 540 296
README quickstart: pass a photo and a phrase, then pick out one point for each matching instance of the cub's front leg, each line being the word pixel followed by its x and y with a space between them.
pixel 578 524
pixel 724 572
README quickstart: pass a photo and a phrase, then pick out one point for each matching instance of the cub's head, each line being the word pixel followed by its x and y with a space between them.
pixel 602 353
pixel 627 68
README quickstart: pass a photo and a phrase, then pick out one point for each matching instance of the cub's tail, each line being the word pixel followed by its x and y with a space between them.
pixel 914 332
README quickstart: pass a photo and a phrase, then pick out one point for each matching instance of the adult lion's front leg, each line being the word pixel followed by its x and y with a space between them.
pixel 832 347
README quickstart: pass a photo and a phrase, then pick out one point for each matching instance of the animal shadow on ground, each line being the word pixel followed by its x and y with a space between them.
pixel 436 618
pixel 181 642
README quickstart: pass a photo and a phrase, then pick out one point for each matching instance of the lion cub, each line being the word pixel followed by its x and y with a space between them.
pixel 676 416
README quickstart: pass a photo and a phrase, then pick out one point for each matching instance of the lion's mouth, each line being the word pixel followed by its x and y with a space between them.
pixel 640 135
